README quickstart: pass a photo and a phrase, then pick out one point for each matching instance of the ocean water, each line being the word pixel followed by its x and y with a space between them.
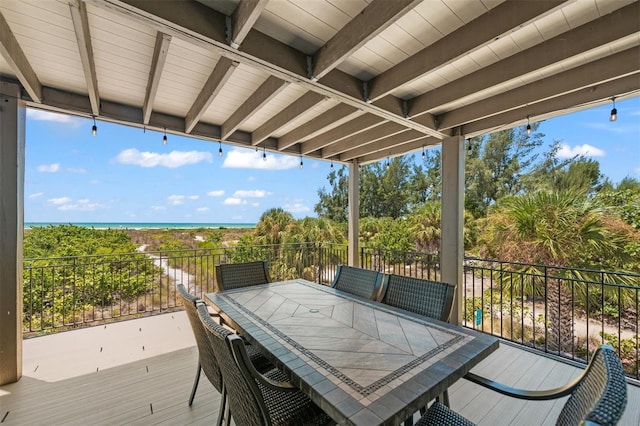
pixel 141 225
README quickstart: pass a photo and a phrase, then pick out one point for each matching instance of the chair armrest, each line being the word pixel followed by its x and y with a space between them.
pixel 246 366
pixel 532 395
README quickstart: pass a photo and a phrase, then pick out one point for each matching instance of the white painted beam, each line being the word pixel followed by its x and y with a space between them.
pixel 353 214
pixel 15 57
pixel 374 19
pixel 246 14
pixel 83 36
pixel 221 73
pixel 341 132
pixel 160 52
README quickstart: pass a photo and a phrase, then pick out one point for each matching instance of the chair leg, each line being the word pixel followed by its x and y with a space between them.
pixel 222 415
pixel 195 385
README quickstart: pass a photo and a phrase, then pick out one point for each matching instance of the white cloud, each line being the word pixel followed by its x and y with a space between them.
pixel 36 195
pixel 234 201
pixel 194 197
pixel 158 208
pixel 171 160
pixel 254 193
pixel 58 201
pixel 40 115
pixel 247 159
pixel 566 151
pixel 255 204
pixel 49 168
pixel 296 208
pixel 202 209
pixel 84 207
pixel 76 170
pixel 637 170
pixel 176 200
pixel 216 193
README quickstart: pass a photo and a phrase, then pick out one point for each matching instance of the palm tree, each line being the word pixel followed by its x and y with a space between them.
pixel 562 229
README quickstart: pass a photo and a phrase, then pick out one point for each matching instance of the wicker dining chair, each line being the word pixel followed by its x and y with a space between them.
pixel 598 395
pixel 433 299
pixel 206 359
pixel 358 281
pixel 235 275
pixel 257 399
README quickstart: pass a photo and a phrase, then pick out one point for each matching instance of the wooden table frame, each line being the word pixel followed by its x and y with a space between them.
pixel 363 362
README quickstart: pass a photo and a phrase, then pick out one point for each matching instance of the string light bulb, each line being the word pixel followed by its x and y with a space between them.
pixel 301 163
pixel 331 167
pixel 614 111
pixel 264 154
pixel 94 129
pixel 220 149
pixel 164 137
pixel 528 127
pixel 424 154
pixel 388 163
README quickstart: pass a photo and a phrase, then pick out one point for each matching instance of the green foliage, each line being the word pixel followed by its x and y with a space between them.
pixel 63 287
pixel 334 204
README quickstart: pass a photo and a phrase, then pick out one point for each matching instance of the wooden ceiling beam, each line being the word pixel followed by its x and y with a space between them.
pixel 196 23
pixel 580 99
pixel 381 144
pixel 363 139
pixel 343 131
pixel 320 124
pixel 246 14
pixel 588 75
pixel 263 94
pixel 221 73
pixel 160 52
pixel 619 24
pixel 375 18
pixel 486 28
pixel 81 27
pixel 15 57
pixel 300 106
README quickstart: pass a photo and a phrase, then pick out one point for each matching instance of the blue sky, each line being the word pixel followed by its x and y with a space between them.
pixel 124 174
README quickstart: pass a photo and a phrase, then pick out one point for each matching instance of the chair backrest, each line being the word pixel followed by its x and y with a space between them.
pixel 235 275
pixel 205 353
pixel 433 299
pixel 601 395
pixel 361 282
pixel 245 400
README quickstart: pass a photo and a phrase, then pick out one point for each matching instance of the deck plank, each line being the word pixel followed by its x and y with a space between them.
pixel 62 391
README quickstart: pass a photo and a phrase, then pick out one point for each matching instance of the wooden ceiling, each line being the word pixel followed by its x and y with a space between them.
pixel 342 80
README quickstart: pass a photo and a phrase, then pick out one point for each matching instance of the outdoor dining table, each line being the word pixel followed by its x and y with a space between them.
pixel 362 362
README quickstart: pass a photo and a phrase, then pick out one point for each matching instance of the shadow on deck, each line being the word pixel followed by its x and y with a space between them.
pixel 141 372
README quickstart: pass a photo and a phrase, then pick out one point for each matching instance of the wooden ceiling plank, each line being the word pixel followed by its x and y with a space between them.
pixel 363 139
pixel 477 33
pixel 160 52
pixel 301 105
pixel 335 116
pixel 381 144
pixel 81 26
pixel 399 149
pixel 263 94
pixel 588 95
pixel 17 60
pixel 619 24
pixel 336 134
pixel 221 73
pixel 375 18
pixel 593 73
pixel 246 14
pixel 199 24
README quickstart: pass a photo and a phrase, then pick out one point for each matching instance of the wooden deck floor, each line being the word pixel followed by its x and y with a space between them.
pixel 140 372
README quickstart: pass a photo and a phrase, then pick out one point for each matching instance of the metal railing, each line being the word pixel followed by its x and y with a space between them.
pixel 563 311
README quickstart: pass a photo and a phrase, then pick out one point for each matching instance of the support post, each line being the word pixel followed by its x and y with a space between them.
pixel 354 212
pixel 12 129
pixel 452 222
